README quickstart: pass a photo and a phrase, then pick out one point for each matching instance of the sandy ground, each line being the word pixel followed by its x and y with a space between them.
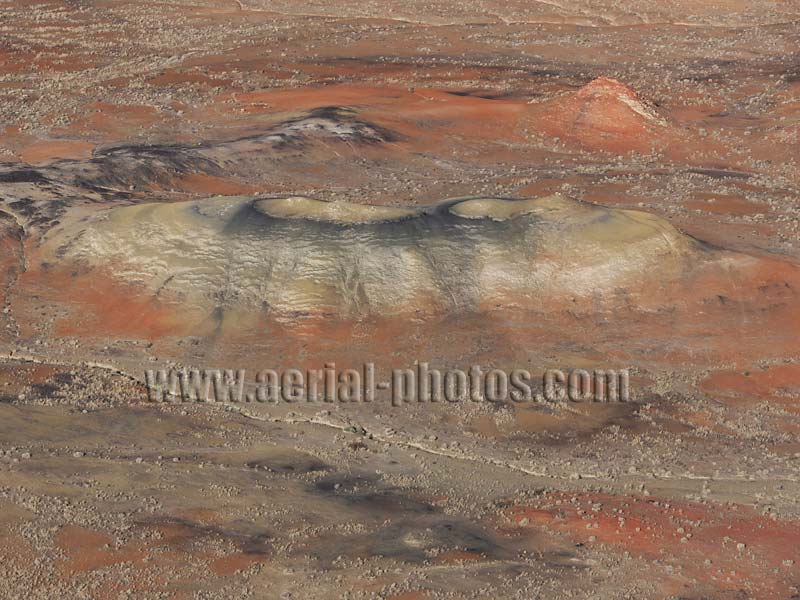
pixel 690 114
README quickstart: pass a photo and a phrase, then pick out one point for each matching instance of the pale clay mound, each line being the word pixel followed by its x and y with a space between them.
pixel 299 255
pixel 300 207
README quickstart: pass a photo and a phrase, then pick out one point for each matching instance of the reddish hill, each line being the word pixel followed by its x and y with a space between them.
pixel 604 115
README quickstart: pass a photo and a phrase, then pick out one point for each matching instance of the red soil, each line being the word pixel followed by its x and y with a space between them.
pixel 710 547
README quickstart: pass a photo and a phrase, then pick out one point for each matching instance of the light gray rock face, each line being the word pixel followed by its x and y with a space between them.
pixel 297 255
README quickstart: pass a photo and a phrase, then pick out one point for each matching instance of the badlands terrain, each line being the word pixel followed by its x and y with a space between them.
pixel 266 184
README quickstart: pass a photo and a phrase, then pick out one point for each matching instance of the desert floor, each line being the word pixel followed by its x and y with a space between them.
pixel 686 112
